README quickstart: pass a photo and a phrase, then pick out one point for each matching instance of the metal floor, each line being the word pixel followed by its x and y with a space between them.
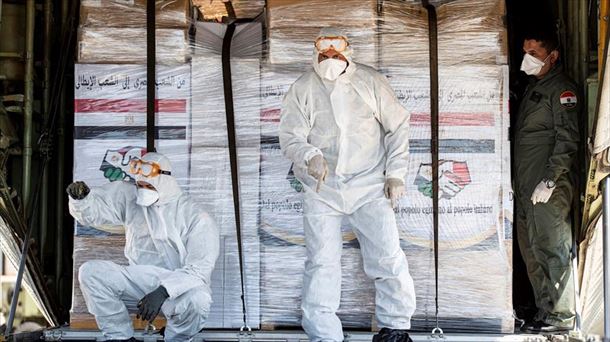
pixel 66 334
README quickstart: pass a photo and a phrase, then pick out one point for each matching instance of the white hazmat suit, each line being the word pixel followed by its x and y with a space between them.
pixel 171 243
pixel 358 125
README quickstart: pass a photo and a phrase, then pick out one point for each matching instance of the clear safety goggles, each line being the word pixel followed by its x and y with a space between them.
pixel 338 44
pixel 146 169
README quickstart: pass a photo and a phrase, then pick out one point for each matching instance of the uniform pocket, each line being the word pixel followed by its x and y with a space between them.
pixel 539 119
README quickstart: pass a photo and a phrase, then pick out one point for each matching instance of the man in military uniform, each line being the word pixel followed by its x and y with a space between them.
pixel 546 143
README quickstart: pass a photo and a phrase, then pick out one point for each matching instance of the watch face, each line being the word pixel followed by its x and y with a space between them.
pixel 550 184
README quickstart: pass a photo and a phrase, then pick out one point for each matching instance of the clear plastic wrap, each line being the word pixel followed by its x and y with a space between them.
pixel 592 287
pixel 114 31
pixel 172 45
pixel 267 56
pixel 132 13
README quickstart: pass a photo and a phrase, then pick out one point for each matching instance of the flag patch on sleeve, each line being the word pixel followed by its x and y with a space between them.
pixel 568 99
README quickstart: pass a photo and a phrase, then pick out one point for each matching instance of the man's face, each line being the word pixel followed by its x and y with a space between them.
pixel 533 47
pixel 330 53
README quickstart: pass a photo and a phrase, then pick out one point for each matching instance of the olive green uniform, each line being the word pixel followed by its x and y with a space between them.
pixel 545 148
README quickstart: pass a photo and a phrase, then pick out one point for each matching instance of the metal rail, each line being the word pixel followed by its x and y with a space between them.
pixel 606 256
pixel 65 334
pixel 28 121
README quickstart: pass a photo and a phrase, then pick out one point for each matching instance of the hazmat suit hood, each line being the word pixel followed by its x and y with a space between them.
pixel 348 53
pixel 166 185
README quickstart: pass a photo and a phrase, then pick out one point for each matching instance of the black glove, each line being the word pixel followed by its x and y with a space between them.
pixel 392 335
pixel 78 190
pixel 150 305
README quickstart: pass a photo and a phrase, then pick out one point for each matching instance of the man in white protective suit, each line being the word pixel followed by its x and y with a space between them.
pixel 171 245
pixel 347 135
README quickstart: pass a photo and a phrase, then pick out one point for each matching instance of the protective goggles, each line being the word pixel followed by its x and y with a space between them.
pixel 146 169
pixel 338 44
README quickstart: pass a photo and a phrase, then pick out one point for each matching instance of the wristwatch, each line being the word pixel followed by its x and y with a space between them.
pixel 549 183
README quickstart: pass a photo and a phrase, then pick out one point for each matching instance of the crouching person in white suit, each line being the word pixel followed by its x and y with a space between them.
pixel 171 246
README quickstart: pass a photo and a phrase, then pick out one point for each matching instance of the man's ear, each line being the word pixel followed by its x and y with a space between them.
pixel 554 56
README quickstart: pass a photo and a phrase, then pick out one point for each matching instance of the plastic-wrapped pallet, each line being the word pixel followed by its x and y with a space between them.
pixel 475 218
pixel 471 219
pixel 210 182
pixel 473 169
pixel 113 13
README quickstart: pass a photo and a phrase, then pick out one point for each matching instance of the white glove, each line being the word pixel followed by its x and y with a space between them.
pixel 394 189
pixel 542 193
pixel 318 169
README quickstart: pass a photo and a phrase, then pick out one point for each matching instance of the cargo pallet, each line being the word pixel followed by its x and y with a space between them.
pixel 67 334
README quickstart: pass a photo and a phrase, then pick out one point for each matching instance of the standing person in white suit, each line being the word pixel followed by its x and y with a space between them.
pixel 348 137
pixel 171 245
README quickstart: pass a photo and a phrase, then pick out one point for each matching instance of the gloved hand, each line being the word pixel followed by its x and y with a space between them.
pixel 150 305
pixel 78 190
pixel 318 169
pixel 542 193
pixel 394 189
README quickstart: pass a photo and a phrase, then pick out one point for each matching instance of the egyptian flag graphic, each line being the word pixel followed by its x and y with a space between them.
pixel 568 99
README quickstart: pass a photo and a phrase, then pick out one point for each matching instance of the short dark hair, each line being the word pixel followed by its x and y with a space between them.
pixel 547 37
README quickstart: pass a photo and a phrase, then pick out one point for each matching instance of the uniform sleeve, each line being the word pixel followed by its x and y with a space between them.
pixel 294 129
pixel 103 205
pixel 395 121
pixel 202 249
pixel 566 108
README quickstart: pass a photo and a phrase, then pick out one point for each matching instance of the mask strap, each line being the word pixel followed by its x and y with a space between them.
pixel 547 57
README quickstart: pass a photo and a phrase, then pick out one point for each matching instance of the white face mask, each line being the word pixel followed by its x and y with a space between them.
pixel 331 68
pixel 532 65
pixel 147 197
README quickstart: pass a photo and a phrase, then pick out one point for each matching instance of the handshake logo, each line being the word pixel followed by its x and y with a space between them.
pixel 115 165
pixel 453 177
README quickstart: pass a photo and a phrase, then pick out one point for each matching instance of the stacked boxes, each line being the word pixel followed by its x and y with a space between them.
pixel 215 10
pixel 93 42
pixel 403 35
pixel 293 25
pixel 475 206
pixel 114 31
pixel 472 32
pixel 132 13
pixel 211 182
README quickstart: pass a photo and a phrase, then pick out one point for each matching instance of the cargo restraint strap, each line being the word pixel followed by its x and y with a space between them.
pixel 230 114
pixel 437 332
pixel 151 61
